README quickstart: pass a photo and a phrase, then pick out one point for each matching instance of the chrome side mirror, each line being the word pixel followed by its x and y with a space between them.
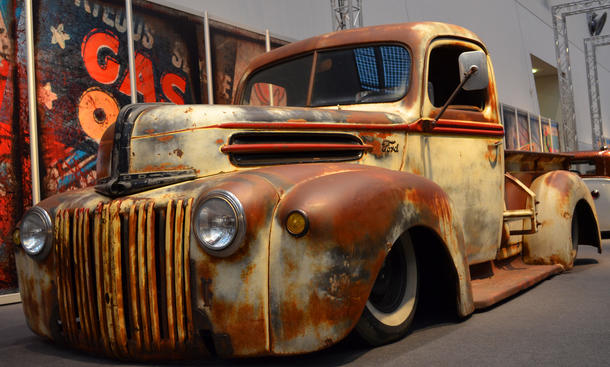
pixel 479 79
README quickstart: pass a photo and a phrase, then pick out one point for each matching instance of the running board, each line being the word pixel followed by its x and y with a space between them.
pixel 496 280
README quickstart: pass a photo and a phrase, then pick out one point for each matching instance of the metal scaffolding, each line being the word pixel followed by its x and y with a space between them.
pixel 591 45
pixel 560 13
pixel 346 14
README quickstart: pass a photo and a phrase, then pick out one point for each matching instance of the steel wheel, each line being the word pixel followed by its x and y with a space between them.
pixel 391 305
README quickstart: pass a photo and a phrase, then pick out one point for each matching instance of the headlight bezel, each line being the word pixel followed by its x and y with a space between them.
pixel 47 231
pixel 240 220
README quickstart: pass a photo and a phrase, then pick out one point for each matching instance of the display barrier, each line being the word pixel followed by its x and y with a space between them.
pixel 82 81
pixel 527 131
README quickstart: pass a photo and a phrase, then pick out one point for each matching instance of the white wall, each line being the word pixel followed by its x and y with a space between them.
pixel 511 29
pixel 293 19
pixel 548 92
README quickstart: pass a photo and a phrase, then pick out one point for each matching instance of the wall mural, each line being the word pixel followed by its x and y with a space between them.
pixel 82 81
pixel 9 190
pixel 82 77
pixel 233 48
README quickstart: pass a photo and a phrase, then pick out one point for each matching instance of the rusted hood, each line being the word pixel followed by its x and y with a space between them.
pixel 155 145
pixel 166 119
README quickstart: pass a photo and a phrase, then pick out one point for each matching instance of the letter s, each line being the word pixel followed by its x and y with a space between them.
pixel 171 84
pixel 106 71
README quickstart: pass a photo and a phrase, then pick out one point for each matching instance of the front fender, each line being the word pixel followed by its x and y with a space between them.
pixel 319 283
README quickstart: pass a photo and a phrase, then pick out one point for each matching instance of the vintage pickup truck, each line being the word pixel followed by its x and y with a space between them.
pixel 594 168
pixel 358 173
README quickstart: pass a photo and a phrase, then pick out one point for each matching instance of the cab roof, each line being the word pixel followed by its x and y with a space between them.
pixel 415 35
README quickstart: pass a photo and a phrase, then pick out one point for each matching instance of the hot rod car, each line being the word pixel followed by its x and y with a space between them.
pixel 357 172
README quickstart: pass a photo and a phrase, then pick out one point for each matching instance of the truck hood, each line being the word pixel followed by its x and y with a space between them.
pixel 153 145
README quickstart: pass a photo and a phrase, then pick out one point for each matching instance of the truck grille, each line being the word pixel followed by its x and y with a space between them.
pixel 254 149
pixel 123 277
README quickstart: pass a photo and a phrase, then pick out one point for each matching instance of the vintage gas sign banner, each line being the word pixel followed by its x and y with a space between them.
pixel 82 77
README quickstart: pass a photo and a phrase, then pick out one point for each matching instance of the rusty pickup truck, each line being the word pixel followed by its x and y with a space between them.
pixel 357 174
pixel 594 168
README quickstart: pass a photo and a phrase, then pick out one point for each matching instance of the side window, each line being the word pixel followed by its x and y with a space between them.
pixel 444 77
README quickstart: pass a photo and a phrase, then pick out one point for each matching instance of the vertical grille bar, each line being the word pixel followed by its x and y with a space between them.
pixel 133 278
pixel 142 279
pixel 152 277
pixel 89 287
pixel 116 299
pixel 107 283
pixel 169 273
pixel 187 272
pixel 99 273
pixel 79 276
pixel 67 280
pixel 61 293
pixel 178 271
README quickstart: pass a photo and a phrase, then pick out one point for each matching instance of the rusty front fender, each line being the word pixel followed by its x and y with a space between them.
pixel 319 283
pixel 562 195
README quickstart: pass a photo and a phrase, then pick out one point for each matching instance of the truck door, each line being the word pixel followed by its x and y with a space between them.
pixel 463 152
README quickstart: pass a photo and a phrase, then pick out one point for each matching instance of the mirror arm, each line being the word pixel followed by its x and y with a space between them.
pixel 473 69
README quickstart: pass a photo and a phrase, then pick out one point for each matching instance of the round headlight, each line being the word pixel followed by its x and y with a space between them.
pixel 219 223
pixel 36 231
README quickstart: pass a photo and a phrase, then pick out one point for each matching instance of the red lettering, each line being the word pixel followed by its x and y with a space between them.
pixel 171 84
pixel 97 40
pixel 145 79
pixel 4 69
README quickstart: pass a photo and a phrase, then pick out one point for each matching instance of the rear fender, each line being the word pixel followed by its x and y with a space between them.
pixel 561 194
pixel 319 283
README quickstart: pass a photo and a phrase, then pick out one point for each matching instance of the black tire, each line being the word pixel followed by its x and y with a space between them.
pixel 390 309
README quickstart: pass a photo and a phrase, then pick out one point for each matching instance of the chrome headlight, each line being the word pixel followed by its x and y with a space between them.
pixel 36 232
pixel 219 223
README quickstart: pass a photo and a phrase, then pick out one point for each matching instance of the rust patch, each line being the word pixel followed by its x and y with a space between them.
pixel 178 152
pixel 150 131
pixel 247 271
pixel 162 167
pixel 492 153
pixel 244 324
pixel 189 109
pixel 376 139
pixel 220 141
pixel 292 320
pixel 561 181
pixel 553 259
pixel 165 138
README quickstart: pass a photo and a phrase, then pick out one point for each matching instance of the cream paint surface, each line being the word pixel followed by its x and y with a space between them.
pixel 471 171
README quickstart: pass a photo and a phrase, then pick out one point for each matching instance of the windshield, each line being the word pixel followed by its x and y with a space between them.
pixel 346 76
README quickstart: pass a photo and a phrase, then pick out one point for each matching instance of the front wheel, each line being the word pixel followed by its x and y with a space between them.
pixel 390 309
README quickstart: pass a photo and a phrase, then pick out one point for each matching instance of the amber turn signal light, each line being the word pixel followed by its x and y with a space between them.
pixel 297 223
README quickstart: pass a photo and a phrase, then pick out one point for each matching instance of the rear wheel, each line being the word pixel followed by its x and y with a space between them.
pixel 391 305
